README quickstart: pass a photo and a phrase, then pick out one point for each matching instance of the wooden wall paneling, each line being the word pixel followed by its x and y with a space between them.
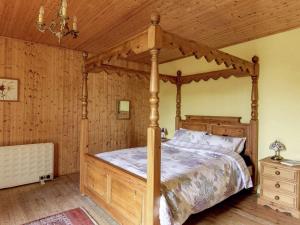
pixel 135 126
pixel 104 103
pixel 97 115
pixel 142 120
pixel 114 124
pixel 125 125
pixel 105 131
pixel 29 120
pixel 67 115
pixel 7 67
pixel 56 110
pixel 28 95
pixel 49 107
pixel 10 70
pixel 7 64
pixel 109 118
pixel 2 71
pixel 45 101
pixel 107 101
pixel 70 109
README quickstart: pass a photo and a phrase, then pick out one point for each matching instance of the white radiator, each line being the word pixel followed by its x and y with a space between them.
pixel 25 164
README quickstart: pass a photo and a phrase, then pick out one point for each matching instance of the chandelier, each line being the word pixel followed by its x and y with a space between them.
pixel 59 26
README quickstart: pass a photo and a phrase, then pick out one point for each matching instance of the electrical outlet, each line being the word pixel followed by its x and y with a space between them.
pixel 46 177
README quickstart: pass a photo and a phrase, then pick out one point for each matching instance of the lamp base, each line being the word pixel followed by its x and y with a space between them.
pixel 277 158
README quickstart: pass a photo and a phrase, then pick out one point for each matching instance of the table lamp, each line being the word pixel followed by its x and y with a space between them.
pixel 277 146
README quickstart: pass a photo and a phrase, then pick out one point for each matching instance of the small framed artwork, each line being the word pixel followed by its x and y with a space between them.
pixel 123 109
pixel 9 89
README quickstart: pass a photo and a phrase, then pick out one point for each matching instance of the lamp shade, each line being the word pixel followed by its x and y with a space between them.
pixel 277 146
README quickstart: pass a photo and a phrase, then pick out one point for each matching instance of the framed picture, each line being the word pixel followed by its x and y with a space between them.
pixel 9 89
pixel 123 110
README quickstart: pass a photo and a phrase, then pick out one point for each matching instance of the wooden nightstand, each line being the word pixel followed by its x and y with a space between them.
pixel 280 186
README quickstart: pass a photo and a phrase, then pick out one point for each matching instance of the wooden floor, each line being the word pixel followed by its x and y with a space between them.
pixel 26 203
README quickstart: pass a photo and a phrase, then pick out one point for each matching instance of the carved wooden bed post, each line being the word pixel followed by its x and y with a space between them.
pixel 178 100
pixel 153 131
pixel 84 125
pixel 254 117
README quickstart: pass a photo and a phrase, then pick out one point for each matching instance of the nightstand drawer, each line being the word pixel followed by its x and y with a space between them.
pixel 280 199
pixel 279 187
pixel 279 172
pixel 275 186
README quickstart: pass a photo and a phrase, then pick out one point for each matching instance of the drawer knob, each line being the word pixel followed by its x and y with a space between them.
pixel 277 185
pixel 276 197
pixel 277 172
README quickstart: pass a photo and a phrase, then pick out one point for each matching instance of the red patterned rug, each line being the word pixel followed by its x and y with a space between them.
pixel 76 216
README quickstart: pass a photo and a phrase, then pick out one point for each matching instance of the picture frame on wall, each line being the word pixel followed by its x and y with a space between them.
pixel 9 89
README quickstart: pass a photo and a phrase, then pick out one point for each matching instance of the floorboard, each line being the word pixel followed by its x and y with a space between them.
pixel 30 202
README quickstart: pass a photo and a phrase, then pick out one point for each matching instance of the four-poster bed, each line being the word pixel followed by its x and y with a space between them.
pixel 132 199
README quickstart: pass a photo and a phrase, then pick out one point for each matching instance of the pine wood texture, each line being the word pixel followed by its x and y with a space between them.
pixel 49 108
pixel 30 202
pixel 121 193
pixel 225 126
pixel 280 187
pixel 241 209
pixel 215 23
pixel 212 75
pixel 254 122
pixel 106 133
pixel 27 203
pixel 153 135
pixel 178 99
pixel 134 192
pixel 154 40
pixel 171 47
pixel 221 125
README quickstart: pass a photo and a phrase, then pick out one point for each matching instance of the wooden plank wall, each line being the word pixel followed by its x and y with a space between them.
pixel 107 133
pixel 49 109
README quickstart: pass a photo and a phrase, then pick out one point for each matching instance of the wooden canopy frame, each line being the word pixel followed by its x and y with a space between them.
pixel 131 57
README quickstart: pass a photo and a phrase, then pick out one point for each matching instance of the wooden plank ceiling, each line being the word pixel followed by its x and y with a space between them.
pixel 102 24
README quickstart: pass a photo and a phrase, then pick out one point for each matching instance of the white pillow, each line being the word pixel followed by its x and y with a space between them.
pixel 185 138
pixel 235 144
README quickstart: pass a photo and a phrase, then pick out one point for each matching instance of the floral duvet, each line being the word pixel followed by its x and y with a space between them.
pixel 193 179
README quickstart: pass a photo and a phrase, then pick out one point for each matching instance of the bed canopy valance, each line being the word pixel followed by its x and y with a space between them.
pixel 141 56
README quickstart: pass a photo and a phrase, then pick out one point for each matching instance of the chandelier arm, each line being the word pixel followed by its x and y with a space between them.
pixel 52 27
pixel 41 27
pixel 60 26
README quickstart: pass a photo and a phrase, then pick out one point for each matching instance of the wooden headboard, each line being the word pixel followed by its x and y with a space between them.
pixel 225 126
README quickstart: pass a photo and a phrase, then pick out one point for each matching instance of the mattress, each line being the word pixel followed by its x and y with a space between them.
pixel 192 179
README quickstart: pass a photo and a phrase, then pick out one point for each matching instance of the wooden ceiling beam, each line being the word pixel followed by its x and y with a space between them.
pixel 135 45
pixel 212 75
